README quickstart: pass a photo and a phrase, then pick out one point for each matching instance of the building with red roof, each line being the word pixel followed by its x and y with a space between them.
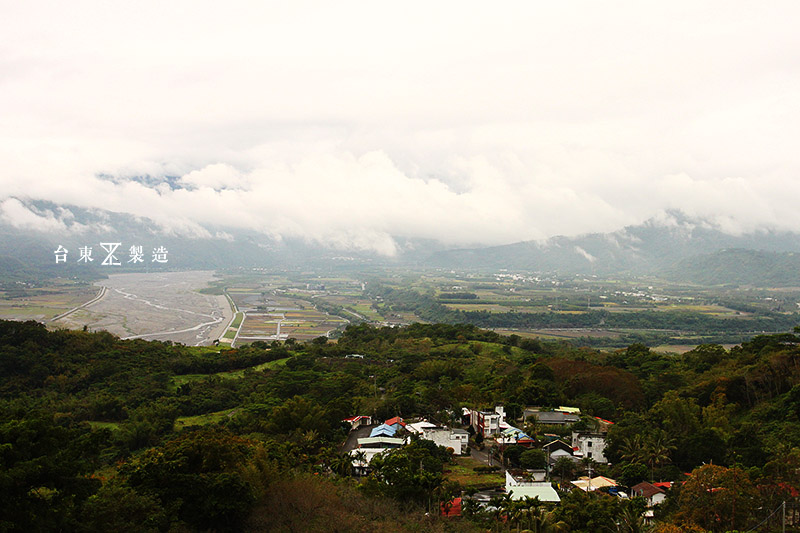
pixel 395 421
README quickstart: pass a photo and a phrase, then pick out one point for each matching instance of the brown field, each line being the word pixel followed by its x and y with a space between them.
pixel 296 318
pixel 43 304
pixel 683 348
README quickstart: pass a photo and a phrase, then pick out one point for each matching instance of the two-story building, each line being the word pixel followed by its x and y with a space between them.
pixel 590 444
pixel 488 423
pixel 457 439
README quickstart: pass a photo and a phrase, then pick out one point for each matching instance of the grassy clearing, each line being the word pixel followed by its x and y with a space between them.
pixel 26 312
pixel 272 364
pixel 113 426
pixel 202 420
pixel 237 320
pixel 204 350
pixel 233 374
pixel 463 472
pixel 492 308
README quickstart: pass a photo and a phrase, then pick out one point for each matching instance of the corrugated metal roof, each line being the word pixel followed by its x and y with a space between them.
pixel 395 420
pixel 544 491
pixel 381 440
pixel 383 429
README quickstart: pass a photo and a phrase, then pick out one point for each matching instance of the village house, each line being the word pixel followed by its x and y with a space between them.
pixel 382 439
pixel 358 421
pixel 521 485
pixel 652 494
pixel 552 418
pixel 456 439
pixel 514 436
pixel 590 444
pixel 488 423
pixel 558 448
pixel 587 484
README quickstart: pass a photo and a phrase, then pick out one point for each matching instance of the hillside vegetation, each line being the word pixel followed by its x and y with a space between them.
pixel 90 438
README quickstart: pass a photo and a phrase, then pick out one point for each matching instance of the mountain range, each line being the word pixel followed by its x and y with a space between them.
pixel 671 246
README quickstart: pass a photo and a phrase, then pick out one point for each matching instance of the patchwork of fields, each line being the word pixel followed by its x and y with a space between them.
pixel 199 308
pixel 269 314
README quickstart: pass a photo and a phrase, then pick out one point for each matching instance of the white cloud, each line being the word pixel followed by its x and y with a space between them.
pixel 349 123
pixel 20 216
pixel 586 255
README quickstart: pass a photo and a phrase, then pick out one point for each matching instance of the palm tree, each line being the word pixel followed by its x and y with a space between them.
pixel 632 449
pixel 545 522
pixel 657 451
pixel 499 506
pixel 632 519
pixel 589 465
pixel 359 459
pixel 342 464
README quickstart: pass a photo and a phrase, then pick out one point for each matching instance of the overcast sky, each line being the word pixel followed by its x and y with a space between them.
pixel 349 122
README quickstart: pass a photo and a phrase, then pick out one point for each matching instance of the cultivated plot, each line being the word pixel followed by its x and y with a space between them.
pixel 45 303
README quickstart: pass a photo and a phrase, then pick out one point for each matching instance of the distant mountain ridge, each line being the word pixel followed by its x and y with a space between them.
pixel 739 267
pixel 31 251
pixel 655 247
pixel 673 246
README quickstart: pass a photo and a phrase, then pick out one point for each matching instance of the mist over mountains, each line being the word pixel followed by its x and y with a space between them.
pixel 671 246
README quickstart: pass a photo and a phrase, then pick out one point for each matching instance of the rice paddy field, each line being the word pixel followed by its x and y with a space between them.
pixel 45 303
pixel 271 313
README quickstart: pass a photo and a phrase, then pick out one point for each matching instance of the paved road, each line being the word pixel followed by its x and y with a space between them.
pixel 90 302
pixel 483 457
pixel 352 439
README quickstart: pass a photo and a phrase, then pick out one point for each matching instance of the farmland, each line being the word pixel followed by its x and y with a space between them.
pixel 45 303
pixel 248 305
pixel 269 314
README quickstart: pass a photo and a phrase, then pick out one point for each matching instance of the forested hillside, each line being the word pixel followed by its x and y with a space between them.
pixel 99 434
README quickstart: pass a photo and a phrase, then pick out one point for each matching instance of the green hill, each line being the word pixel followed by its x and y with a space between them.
pixel 740 267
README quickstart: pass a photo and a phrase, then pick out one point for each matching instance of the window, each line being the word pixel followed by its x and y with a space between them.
pixel 590 444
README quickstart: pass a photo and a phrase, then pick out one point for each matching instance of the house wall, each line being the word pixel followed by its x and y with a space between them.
pixel 487 423
pixel 444 437
pixel 559 453
pixel 591 445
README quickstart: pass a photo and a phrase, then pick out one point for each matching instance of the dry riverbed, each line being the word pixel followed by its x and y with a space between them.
pixel 156 306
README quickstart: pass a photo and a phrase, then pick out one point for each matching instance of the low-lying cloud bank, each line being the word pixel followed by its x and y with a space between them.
pixel 348 125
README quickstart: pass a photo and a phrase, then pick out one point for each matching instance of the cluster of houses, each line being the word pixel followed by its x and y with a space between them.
pixel 394 433
pixel 586 446
pixel 589 444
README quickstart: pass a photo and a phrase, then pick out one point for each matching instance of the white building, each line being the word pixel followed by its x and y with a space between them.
pixel 591 445
pixel 520 487
pixel 488 422
pixel 457 439
pixel 418 427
